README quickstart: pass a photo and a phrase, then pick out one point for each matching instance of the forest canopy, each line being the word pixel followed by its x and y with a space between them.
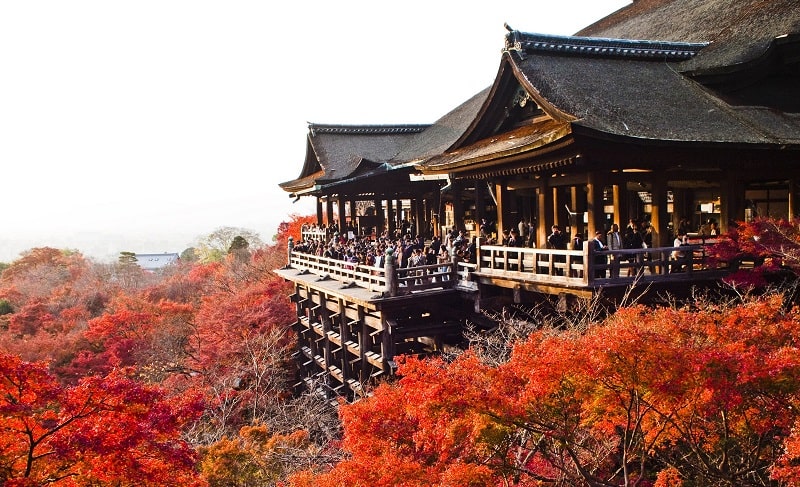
pixel 111 375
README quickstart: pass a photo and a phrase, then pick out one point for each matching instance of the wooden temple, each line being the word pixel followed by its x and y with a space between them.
pixel 675 113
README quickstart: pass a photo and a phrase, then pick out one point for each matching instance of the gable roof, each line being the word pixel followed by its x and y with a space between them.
pixel 336 152
pixel 644 84
pixel 739 31
pixel 632 91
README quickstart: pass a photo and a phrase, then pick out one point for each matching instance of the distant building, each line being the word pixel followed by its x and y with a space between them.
pixel 154 262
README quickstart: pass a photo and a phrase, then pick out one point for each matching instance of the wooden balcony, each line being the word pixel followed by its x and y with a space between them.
pixel 587 269
pixel 545 270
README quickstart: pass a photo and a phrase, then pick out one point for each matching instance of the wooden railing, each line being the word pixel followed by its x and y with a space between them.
pixel 570 268
pixel 588 267
pixel 388 280
pixel 369 277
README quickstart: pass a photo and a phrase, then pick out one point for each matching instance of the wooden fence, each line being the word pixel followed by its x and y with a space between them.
pixel 591 268
pixel 570 268
pixel 388 279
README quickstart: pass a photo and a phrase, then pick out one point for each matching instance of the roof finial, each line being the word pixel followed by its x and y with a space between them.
pixel 508 27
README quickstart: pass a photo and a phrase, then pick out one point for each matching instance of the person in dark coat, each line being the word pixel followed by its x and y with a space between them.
pixel 600 259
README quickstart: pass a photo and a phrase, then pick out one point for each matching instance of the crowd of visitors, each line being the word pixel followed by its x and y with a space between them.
pixel 411 251
pixel 370 250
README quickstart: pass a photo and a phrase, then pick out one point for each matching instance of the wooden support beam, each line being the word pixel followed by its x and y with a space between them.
pixel 594 203
pixel 501 222
pixel 659 215
pixel 329 212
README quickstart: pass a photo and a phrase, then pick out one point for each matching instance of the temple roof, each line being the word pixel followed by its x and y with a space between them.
pixel 633 91
pixel 738 31
pixel 668 72
pixel 683 72
pixel 337 152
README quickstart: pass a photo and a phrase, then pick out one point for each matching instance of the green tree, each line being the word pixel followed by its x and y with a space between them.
pixel 127 258
pixel 215 246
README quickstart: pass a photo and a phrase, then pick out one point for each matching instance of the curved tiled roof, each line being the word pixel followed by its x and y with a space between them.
pixel 642 99
pixel 739 31
pixel 336 152
pixel 604 47
pixel 443 133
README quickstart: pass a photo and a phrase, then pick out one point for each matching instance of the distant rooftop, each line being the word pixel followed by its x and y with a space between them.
pixel 153 262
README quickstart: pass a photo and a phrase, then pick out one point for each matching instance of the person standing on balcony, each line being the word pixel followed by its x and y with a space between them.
pixel 614 242
pixel 599 258
pixel 558 241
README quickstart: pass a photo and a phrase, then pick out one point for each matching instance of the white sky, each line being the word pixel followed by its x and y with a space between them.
pixel 142 125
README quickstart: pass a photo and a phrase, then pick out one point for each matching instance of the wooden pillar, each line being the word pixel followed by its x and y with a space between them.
pixel 398 213
pixel 501 193
pixel 390 218
pixel 594 203
pixel 577 204
pixel 353 221
pixel 659 216
pixel 328 211
pixel 543 226
pixel 620 205
pixel 436 209
pixel 340 202
pixel 319 212
pixel 379 218
pixel 363 344
pixel 458 205
pixel 387 344
pixel 419 216
pixel 480 201
pixel 555 205
pixel 325 320
pixel 344 336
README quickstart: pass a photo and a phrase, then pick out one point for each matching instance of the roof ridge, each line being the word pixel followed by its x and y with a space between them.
pixel 316 128
pixel 602 46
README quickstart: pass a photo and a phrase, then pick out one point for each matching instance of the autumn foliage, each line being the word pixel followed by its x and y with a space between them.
pixel 705 396
pixel 113 376
pixel 770 247
pixel 116 376
pixel 104 430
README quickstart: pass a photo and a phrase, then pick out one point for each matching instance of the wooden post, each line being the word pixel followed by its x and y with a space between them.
pixel 658 204
pixel 342 215
pixel 588 264
pixel 477 254
pixel 353 220
pixel 594 205
pixel 542 230
pixel 554 206
pixel 391 274
pixel 390 226
pixel 620 205
pixel 480 203
pixel 458 205
pixel 328 211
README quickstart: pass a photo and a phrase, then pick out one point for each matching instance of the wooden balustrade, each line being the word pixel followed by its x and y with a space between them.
pixel 570 268
pixel 592 268
pixel 401 280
